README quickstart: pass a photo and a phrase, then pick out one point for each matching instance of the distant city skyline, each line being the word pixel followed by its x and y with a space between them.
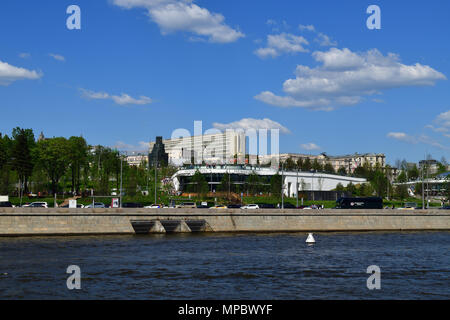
pixel 138 69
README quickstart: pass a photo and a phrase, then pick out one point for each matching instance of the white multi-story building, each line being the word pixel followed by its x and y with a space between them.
pixel 136 160
pixel 219 148
pixel 348 162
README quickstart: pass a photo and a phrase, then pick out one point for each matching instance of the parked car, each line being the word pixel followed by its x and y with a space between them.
pixel 266 206
pixel 359 203
pixel 202 206
pixel 96 205
pixel 219 206
pixel 445 208
pixel 234 206
pixel 289 206
pixel 409 206
pixel 154 206
pixel 250 206
pixel 6 204
pixel 187 205
pixel 132 205
pixel 36 205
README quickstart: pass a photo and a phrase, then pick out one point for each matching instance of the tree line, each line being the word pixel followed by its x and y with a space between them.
pixel 64 165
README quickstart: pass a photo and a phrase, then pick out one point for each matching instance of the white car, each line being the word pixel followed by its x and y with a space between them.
pixel 153 206
pixel 36 205
pixel 250 206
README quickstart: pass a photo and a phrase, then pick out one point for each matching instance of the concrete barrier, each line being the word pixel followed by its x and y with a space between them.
pixel 64 221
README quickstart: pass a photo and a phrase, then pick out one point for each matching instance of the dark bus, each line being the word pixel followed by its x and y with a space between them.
pixel 359 203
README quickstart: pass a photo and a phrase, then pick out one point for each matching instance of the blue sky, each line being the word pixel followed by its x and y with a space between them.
pixel 141 68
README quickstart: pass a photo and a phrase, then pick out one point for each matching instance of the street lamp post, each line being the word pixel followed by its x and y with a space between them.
pixel 296 186
pixel 423 192
pixel 156 177
pixel 121 160
pixel 282 186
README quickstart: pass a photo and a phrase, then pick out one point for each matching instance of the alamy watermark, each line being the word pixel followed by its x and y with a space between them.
pixel 374 20
pixel 230 146
pixel 73 22
pixel 374 281
pixel 74 280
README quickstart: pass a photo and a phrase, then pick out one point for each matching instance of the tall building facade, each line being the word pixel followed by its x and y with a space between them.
pixel 158 153
pixel 219 148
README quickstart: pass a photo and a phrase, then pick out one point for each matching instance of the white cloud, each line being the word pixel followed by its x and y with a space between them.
pixel 179 15
pixel 24 55
pixel 282 43
pixel 444 119
pixel 123 99
pixel 249 123
pixel 322 39
pixel 442 122
pixel 345 77
pixel 310 146
pixel 325 40
pixel 9 74
pixel 401 136
pixel 306 27
pixel 57 57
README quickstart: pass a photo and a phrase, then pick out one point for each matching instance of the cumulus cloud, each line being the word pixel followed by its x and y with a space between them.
pixel 282 43
pixel 250 123
pixel 324 40
pixel 310 146
pixel 185 15
pixel 345 77
pixel 10 73
pixel 123 99
pixel 444 119
pixel 401 136
pixel 306 27
pixel 57 57
pixel 441 124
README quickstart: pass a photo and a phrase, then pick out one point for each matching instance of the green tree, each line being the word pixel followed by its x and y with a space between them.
pixel 413 173
pixel 366 190
pixel 342 171
pixel 328 168
pixel 317 166
pixel 253 183
pixel 21 159
pixel 350 188
pixel 289 164
pixel 52 156
pixel 300 164
pixel 77 158
pixel 401 192
pixel 132 181
pixel 275 185
pixel 307 165
pixel 339 187
pixel 200 184
pixel 5 164
pixel 379 183
pixel 225 183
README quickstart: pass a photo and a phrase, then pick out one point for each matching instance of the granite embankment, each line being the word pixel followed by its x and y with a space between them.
pixel 39 221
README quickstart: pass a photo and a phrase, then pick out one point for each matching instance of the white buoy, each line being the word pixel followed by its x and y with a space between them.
pixel 310 240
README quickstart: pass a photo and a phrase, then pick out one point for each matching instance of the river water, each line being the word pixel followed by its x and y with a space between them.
pixel 414 265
